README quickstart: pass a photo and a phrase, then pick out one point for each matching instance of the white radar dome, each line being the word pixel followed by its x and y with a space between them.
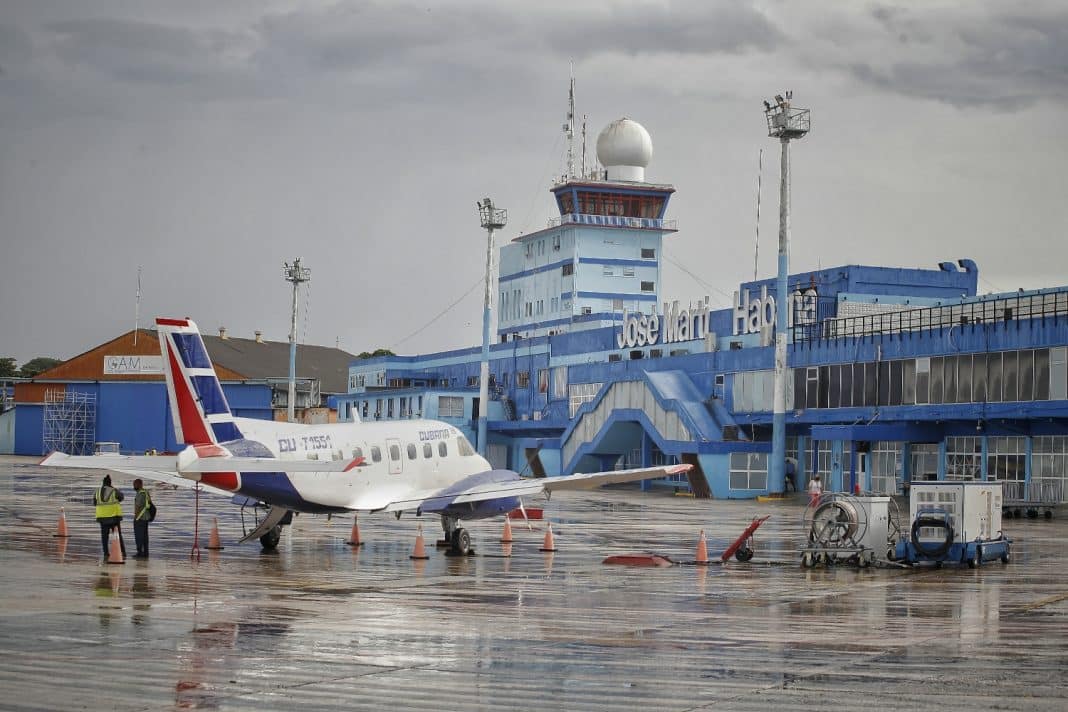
pixel 625 149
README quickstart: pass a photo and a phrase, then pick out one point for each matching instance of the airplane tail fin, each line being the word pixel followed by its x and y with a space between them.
pixel 199 409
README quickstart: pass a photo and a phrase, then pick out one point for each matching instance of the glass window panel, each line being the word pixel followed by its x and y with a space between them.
pixel 949 379
pixel 908 382
pixel 871 383
pixel 1041 374
pixel 979 378
pixel 1027 375
pixel 799 387
pixel 923 380
pixel 1012 392
pixel 847 385
pixel 834 387
pixel 964 378
pixel 936 379
pixel 825 378
pixel 994 371
pixel 812 392
pixel 739 480
pixel 884 383
pixel 858 385
pixel 896 368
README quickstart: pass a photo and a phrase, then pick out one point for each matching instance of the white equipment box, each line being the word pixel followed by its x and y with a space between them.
pixel 973 509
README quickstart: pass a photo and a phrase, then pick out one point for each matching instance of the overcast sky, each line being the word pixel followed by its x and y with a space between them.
pixel 210 141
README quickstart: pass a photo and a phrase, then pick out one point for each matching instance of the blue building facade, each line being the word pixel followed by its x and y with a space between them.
pixel 895 374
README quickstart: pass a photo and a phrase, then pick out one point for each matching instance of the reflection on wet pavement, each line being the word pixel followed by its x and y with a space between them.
pixel 323 625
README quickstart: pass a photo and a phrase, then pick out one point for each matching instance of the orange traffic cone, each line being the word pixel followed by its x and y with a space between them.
pixel 61 528
pixel 354 540
pixel 702 550
pixel 549 544
pixel 213 538
pixel 506 537
pixel 419 552
pixel 115 548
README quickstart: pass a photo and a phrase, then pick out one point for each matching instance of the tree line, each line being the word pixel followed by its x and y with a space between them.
pixel 9 369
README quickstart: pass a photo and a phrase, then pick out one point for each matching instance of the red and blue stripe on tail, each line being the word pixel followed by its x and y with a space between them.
pixel 198 406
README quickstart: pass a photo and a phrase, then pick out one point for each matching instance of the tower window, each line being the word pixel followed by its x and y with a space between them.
pixel 648 287
pixel 568 268
pixel 648 253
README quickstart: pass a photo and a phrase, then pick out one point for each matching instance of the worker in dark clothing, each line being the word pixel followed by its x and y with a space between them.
pixel 107 501
pixel 142 505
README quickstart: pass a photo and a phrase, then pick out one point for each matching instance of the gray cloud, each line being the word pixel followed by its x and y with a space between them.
pixel 142 52
pixel 214 140
pixel 1000 59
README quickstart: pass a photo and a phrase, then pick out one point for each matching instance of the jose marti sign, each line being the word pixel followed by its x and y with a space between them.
pixel 674 324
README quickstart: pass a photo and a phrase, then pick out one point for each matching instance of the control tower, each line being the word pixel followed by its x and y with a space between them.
pixel 601 257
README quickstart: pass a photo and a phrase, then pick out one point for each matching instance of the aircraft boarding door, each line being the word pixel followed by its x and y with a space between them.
pixel 393 452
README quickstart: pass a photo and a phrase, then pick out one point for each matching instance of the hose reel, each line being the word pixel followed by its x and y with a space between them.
pixel 836 521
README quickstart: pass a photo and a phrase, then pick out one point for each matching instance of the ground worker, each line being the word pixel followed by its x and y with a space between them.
pixel 815 489
pixel 108 513
pixel 142 505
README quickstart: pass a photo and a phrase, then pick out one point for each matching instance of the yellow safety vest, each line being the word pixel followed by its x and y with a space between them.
pixel 142 514
pixel 109 507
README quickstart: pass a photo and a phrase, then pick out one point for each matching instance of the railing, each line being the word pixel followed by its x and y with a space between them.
pixel 613 221
pixel 1033 492
pixel 1030 306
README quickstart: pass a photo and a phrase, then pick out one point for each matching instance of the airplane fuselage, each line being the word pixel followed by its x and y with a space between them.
pixel 399 458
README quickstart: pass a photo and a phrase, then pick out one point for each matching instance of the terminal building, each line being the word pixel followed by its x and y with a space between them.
pixel 895 374
pixel 114 396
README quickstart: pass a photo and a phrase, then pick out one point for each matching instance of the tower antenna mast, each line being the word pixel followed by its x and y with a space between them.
pixel 297 275
pixel 569 126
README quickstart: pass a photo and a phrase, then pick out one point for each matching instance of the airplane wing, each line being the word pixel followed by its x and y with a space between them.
pixel 432 500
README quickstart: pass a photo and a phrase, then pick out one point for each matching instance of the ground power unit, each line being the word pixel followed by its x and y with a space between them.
pixel 957 522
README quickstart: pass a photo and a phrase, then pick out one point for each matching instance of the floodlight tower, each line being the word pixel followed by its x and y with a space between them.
pixel 297 275
pixel 786 123
pixel 492 219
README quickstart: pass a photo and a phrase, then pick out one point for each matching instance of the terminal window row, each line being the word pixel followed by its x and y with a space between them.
pixel 1007 376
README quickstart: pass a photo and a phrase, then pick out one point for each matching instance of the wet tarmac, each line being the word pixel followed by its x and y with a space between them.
pixel 320 625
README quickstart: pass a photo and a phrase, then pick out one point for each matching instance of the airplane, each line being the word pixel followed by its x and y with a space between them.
pixel 421 466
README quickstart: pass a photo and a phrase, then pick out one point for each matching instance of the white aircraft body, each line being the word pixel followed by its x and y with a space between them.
pixel 423 466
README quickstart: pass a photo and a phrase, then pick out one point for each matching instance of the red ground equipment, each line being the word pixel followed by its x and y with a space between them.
pixel 742 548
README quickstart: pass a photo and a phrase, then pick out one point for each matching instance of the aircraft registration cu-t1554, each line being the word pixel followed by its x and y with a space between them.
pixel 422 466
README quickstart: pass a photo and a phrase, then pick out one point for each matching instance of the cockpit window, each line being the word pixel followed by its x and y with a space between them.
pixel 465 447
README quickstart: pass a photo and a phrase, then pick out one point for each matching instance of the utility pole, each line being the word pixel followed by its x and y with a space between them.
pixel 491 219
pixel 785 123
pixel 297 275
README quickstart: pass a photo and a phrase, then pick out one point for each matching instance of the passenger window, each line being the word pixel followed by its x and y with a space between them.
pixel 411 451
pixel 394 452
pixel 376 454
pixel 357 453
pixel 465 447
pixel 443 449
pixel 428 451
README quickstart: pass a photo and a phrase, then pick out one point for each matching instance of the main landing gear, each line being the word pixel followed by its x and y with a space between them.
pixel 458 537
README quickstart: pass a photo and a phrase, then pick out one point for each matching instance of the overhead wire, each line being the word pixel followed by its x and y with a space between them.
pixel 706 285
pixel 481 280
pixel 547 175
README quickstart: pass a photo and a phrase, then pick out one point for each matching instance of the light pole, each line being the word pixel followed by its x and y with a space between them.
pixel 491 219
pixel 785 123
pixel 297 275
